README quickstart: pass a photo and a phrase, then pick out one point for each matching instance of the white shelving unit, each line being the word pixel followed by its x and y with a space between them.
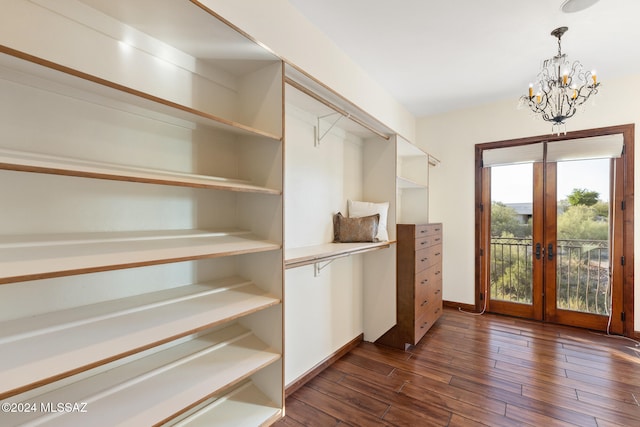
pixel 335 292
pixel 141 235
pixel 412 182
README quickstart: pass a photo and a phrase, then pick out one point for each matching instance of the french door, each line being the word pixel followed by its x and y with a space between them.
pixel 550 227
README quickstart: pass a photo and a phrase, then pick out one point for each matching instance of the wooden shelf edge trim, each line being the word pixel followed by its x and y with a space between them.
pixel 269 302
pixel 244 393
pixel 122 266
pixel 142 259
pixel 255 356
pixel 137 93
pixel 80 316
pixel 324 364
pixel 339 253
pixel 219 390
pixel 128 174
pixel 27 387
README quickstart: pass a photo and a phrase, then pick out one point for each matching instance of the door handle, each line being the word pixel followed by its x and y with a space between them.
pixel 550 251
pixel 538 250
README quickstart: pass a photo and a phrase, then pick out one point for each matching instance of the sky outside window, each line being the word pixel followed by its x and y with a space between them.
pixel 514 183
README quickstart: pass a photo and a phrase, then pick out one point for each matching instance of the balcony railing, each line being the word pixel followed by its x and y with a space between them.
pixel 582 279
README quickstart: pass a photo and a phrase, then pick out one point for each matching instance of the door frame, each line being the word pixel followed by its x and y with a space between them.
pixel 625 271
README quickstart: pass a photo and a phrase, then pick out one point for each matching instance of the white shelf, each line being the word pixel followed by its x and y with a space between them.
pixel 297 257
pixel 42 163
pixel 158 387
pixel 43 256
pixel 404 183
pixel 38 349
pixel 17 67
pixel 412 183
pixel 245 406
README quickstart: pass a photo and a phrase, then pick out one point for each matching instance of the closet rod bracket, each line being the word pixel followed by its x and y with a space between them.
pixel 318 267
pixel 316 129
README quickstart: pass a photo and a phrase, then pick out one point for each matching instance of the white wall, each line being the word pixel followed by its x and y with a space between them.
pixel 451 138
pixel 324 312
pixel 351 295
pixel 280 27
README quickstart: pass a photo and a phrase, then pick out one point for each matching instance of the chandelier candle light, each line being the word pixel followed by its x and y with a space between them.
pixel 561 87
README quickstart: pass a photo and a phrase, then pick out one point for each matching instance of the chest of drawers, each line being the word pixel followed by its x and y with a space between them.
pixel 419 283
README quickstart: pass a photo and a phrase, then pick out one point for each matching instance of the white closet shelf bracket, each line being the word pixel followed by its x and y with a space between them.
pixel 317 138
pixel 320 265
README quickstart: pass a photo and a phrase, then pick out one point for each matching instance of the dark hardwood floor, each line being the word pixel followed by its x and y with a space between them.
pixel 479 370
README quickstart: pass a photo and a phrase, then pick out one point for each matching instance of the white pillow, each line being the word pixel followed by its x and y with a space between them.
pixel 359 209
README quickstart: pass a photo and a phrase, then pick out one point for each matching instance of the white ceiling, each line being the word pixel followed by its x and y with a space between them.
pixel 435 56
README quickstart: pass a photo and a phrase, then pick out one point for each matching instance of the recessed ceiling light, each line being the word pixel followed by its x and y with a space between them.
pixel 570 6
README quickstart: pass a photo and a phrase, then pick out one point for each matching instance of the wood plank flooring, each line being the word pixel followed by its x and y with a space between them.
pixel 479 370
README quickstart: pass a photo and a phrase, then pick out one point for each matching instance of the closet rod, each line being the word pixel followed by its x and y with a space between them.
pixel 334 107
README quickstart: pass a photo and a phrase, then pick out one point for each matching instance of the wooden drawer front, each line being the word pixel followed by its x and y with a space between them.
pixel 436 276
pixel 435 255
pixel 428 241
pixel 423 259
pixel 424 277
pixel 427 257
pixel 423 323
pixel 428 294
pixel 427 281
pixel 423 301
pixel 423 230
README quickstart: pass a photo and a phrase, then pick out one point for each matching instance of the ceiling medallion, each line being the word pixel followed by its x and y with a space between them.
pixel 560 88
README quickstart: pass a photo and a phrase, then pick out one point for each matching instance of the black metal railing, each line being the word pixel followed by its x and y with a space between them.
pixel 511 269
pixel 582 279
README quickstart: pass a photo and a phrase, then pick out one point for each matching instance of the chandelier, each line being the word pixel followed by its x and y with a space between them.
pixel 560 88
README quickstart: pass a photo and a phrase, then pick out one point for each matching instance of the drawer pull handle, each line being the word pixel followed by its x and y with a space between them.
pixel 423 325
pixel 437 310
pixel 437 253
pixel 424 281
pixel 424 302
pixel 437 272
pixel 424 259
pixel 437 291
pixel 423 243
pixel 423 231
pixel 438 239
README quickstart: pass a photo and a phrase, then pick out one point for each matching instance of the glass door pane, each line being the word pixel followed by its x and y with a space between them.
pixel 582 259
pixel 511 251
